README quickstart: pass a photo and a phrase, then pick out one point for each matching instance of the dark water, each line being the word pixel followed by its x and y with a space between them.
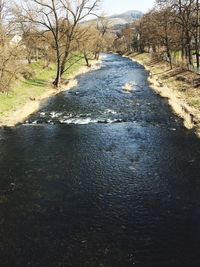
pixel 101 178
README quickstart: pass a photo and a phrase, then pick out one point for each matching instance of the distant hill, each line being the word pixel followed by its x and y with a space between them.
pixel 129 15
pixel 119 21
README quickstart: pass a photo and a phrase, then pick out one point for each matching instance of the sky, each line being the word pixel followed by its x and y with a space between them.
pixel 119 6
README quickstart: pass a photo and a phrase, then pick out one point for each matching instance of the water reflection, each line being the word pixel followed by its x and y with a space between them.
pixel 109 195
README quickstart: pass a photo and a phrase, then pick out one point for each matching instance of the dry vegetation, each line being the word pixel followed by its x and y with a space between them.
pixel 171 30
pixel 178 78
pixel 177 85
pixel 42 43
pixel 167 41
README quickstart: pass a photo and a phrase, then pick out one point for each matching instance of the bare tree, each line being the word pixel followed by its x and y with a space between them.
pixel 61 18
pixel 172 28
pixel 196 32
pixel 8 54
pixel 9 66
pixel 102 27
pixel 2 4
pixel 184 14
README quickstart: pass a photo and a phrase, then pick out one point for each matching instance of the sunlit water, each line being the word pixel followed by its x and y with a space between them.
pixel 102 176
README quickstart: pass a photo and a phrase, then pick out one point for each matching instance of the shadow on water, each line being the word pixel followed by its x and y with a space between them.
pixel 100 97
pixel 100 177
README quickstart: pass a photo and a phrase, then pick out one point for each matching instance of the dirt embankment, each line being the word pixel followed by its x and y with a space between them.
pixel 33 105
pixel 178 86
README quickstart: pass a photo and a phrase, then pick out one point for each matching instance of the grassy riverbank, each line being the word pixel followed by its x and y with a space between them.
pixel 27 94
pixel 26 89
pixel 177 85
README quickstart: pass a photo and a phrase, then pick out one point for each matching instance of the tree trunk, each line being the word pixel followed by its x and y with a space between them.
pixel 197 52
pixel 56 82
pixel 66 55
pixel 86 60
pixel 29 56
pixel 197 35
pixel 190 54
pixel 62 68
pixel 169 52
pixel 188 48
pixel 182 46
pixel 96 55
pixel 29 60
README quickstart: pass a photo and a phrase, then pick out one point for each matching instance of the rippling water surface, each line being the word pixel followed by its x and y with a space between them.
pixel 103 175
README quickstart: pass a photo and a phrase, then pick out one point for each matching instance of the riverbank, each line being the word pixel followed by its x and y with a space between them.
pixel 177 86
pixel 29 95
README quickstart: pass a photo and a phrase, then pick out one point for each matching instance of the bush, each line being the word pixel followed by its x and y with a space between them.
pixel 9 65
pixel 27 73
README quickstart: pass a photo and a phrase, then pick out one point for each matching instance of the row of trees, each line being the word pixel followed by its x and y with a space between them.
pixel 171 29
pixel 53 30
pixel 8 55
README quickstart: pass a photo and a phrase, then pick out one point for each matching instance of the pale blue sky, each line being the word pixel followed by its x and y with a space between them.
pixel 119 6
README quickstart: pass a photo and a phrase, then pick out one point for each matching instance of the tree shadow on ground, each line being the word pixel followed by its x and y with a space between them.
pixel 36 82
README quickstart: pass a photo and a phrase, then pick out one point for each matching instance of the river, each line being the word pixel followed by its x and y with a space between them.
pixel 101 177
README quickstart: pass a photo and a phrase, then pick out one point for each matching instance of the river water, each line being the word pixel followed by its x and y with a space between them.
pixel 101 177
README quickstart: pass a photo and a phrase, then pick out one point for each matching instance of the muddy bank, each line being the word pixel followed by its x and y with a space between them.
pixel 20 114
pixel 168 86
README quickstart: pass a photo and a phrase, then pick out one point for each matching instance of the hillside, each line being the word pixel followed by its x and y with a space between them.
pixel 128 16
pixel 118 21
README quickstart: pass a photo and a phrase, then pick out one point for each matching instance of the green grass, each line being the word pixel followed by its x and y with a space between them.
pixel 24 89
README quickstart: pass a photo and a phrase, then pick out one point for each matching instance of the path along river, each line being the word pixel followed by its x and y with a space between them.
pixel 101 177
